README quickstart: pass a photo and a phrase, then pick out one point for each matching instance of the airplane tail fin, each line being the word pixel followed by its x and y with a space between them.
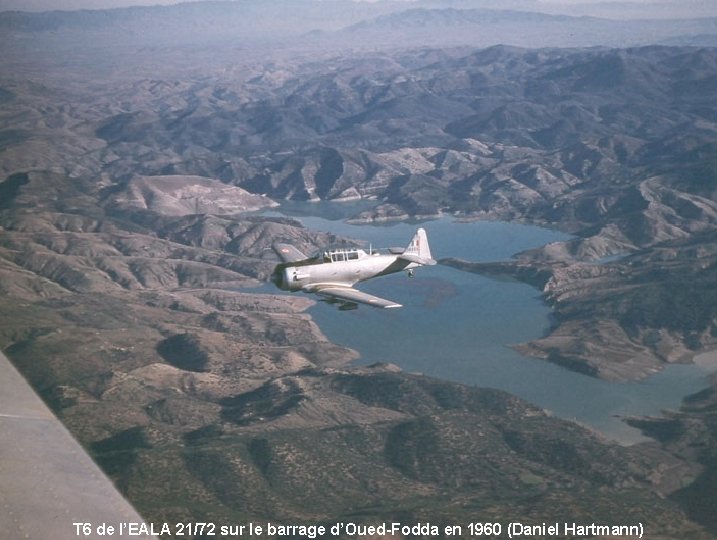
pixel 419 249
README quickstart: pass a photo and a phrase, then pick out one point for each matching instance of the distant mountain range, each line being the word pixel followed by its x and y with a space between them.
pixel 485 27
pixel 345 24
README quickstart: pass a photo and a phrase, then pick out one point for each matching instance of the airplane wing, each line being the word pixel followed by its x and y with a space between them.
pixel 49 486
pixel 288 253
pixel 349 294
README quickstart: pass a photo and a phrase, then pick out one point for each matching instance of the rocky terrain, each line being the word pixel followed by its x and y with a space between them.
pixel 691 434
pixel 614 145
pixel 138 329
pixel 127 255
pixel 625 319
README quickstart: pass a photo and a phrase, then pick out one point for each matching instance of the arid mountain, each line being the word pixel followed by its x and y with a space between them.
pixel 579 138
pixel 176 195
pixel 126 169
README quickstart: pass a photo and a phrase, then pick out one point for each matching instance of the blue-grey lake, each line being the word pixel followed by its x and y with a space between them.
pixel 459 326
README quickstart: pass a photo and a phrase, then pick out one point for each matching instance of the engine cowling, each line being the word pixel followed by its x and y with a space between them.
pixel 288 278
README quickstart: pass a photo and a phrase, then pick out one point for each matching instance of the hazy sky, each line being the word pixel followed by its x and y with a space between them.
pixel 46 5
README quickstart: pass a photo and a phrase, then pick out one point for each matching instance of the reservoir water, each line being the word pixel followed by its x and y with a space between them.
pixel 459 326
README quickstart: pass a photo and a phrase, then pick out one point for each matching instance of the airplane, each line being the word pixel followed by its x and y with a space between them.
pixel 332 273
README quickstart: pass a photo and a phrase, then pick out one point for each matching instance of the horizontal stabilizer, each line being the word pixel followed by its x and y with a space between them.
pixel 418 260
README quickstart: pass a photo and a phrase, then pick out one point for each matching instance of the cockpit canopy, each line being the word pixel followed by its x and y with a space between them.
pixel 340 254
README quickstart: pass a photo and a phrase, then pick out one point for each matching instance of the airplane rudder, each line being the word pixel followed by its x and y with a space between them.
pixel 420 240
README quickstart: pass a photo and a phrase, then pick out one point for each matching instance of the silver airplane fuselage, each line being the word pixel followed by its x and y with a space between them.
pixel 339 267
